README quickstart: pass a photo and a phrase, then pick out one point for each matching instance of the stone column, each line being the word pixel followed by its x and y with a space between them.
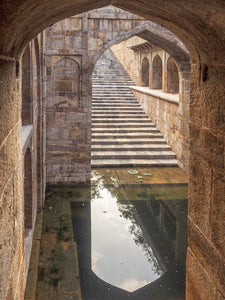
pixel 164 73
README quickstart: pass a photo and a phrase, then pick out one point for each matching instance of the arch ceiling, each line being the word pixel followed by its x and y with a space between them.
pixel 199 24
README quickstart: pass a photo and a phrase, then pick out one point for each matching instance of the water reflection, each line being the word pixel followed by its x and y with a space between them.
pixel 118 249
pixel 131 240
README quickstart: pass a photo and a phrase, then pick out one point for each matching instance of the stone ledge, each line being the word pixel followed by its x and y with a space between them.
pixel 172 98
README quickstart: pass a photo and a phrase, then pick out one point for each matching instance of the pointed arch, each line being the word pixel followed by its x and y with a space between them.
pixel 157 72
pixel 172 76
pixel 28 201
pixel 26 87
pixel 66 78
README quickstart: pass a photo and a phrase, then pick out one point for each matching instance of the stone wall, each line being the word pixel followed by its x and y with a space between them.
pixel 20 196
pixel 72 47
pixel 201 27
pixel 205 259
pixel 33 142
pixel 165 113
pixel 68 109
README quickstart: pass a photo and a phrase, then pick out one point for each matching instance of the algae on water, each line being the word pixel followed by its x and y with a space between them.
pixel 133 171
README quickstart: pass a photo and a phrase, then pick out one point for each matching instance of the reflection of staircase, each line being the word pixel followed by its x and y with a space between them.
pixel 122 134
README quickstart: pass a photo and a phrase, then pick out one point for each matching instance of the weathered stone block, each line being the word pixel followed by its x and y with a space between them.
pixel 198 284
pixel 63 86
pixel 57 43
pixel 207 144
pixel 75 24
pixel 218 211
pixel 207 255
pixel 200 193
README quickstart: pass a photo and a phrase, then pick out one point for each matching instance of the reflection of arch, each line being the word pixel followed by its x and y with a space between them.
pixel 26 87
pixel 66 77
pixel 155 207
pixel 91 284
pixel 172 76
pixel 145 72
pixel 169 225
pixel 157 72
pixel 28 202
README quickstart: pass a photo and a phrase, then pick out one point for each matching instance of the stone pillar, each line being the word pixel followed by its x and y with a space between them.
pixel 164 73
pixel 184 117
pixel 68 102
pixel 206 230
pixel 139 69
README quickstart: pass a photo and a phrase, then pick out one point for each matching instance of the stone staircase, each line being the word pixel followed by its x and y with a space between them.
pixel 122 134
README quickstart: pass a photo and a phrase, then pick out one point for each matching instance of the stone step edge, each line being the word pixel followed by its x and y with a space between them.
pixel 130 163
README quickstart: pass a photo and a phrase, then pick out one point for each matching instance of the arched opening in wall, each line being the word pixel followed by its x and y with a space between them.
pixel 145 72
pixel 172 76
pixel 65 82
pixel 157 72
pixel 68 120
pixel 194 42
pixel 26 87
pixel 28 197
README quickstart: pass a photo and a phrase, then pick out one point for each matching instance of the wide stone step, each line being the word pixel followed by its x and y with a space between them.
pixel 111 75
pixel 119 86
pixel 124 130
pixel 111 81
pixel 117 109
pixel 120 120
pixel 122 125
pixel 113 95
pixel 97 163
pixel 133 147
pixel 131 141
pixel 109 89
pixel 116 101
pixel 133 154
pixel 115 88
pixel 119 115
pixel 102 82
pixel 109 104
pixel 129 135
pixel 118 112
pixel 122 85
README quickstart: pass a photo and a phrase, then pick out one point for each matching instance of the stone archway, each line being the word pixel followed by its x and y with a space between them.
pixel 202 32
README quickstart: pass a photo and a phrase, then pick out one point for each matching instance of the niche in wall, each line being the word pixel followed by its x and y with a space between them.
pixel 145 72
pixel 157 72
pixel 26 88
pixel 172 76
